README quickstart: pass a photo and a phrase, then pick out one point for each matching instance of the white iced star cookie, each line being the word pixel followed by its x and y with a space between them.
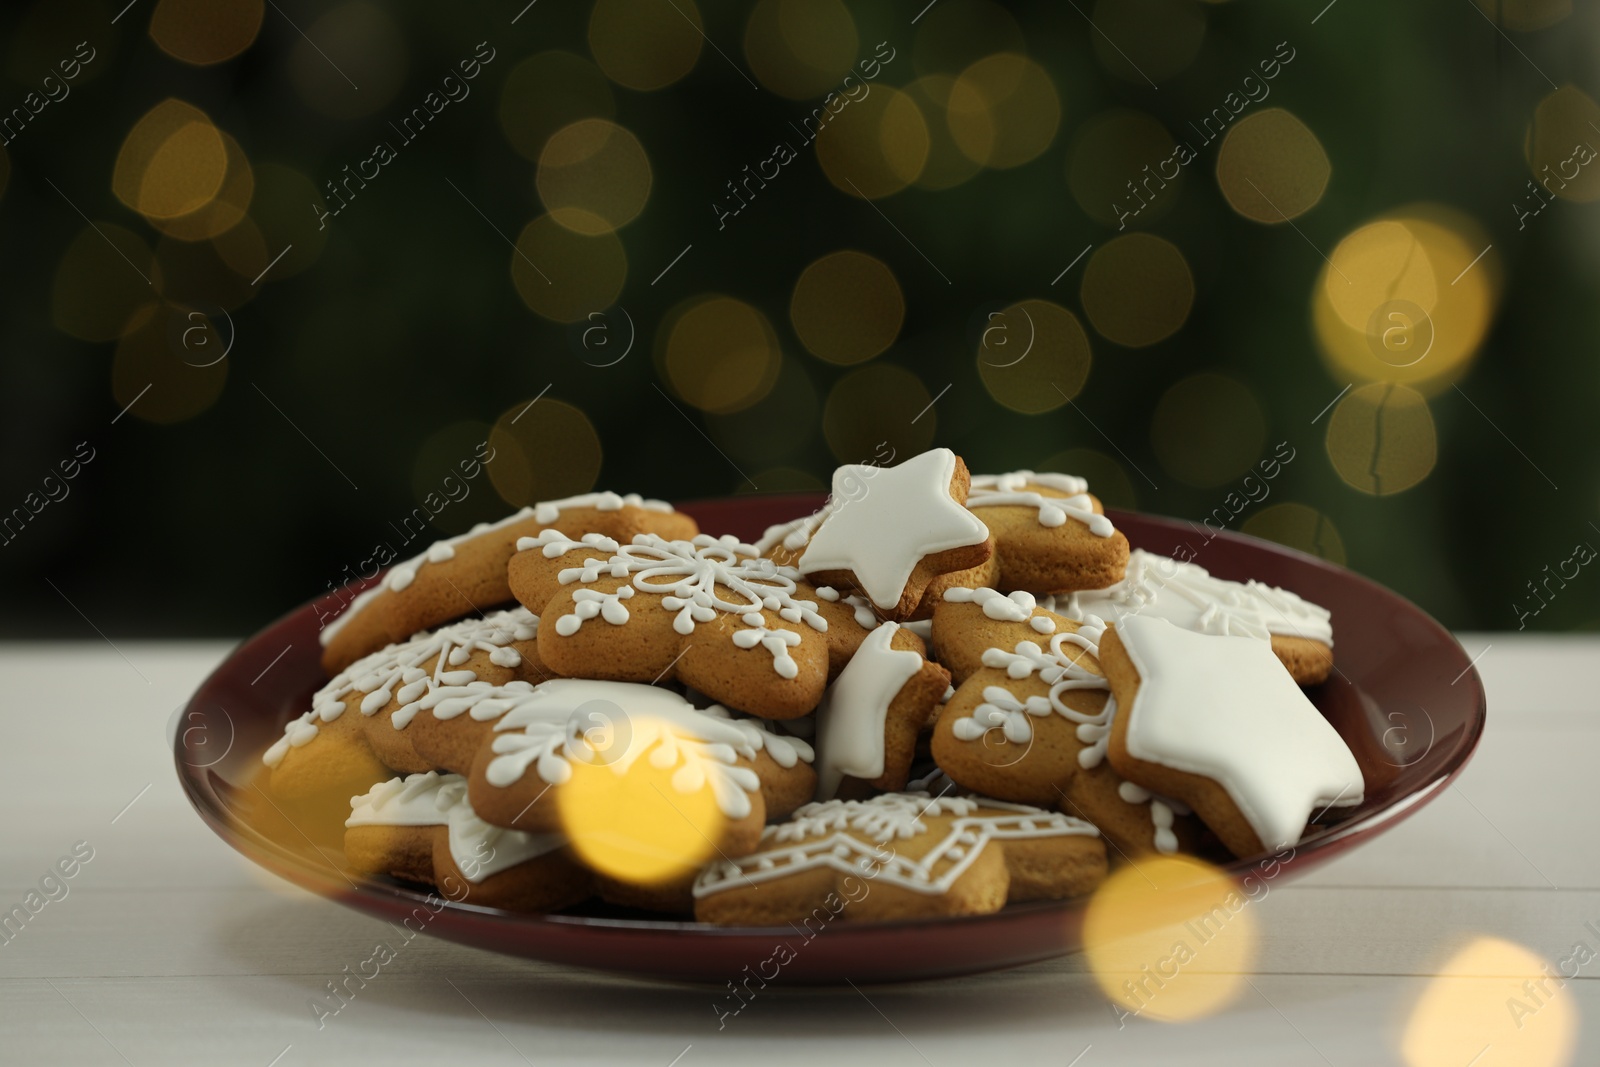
pixel 1217 723
pixel 889 531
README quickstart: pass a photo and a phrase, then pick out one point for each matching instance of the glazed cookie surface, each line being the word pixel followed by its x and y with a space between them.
pixel 1051 535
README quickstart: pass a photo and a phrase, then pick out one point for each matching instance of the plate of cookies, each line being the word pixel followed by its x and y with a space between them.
pixel 904 731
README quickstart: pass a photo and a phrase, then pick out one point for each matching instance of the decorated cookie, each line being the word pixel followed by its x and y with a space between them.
pixel 421 828
pixel 710 613
pixel 887 532
pixel 1186 595
pixel 868 723
pixel 1050 534
pixel 517 777
pixel 899 856
pixel 1216 722
pixel 466 575
pixel 1031 719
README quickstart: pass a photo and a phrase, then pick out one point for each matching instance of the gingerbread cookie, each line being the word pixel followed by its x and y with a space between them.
pixel 867 725
pixel 1186 595
pixel 467 574
pixel 1051 535
pixel 900 856
pixel 887 532
pixel 1216 722
pixel 710 613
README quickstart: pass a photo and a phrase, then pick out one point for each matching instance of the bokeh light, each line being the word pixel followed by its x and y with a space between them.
pixel 628 820
pixel 591 273
pixel 719 354
pixel 593 176
pixel 1137 289
pixel 800 48
pixel 1033 356
pixel 101 281
pixel 946 166
pixel 1271 167
pixel 1208 429
pixel 1003 110
pixel 547 91
pixel 645 44
pixel 876 145
pixel 1117 148
pixel 205 32
pixel 847 307
pixel 357 64
pixel 1407 298
pixel 1492 1005
pixel 1563 123
pixel 168 362
pixel 1169 938
pixel 222 212
pixel 1298 526
pixel 275 233
pixel 544 449
pixel 1147 41
pixel 1107 480
pixel 954 34
pixel 876 411
pixel 1381 438
pixel 172 162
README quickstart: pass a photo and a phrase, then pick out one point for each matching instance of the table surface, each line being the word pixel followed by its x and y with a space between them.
pixel 170 948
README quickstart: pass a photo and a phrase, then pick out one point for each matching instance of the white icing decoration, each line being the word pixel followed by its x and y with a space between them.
pixel 1011 490
pixel 841 835
pixel 481 850
pixel 396 672
pixel 403 574
pixel 882 533
pixel 696 580
pixel 998 606
pixel 545 730
pixel 1224 708
pixel 1186 595
pixel 415 800
pixel 923 628
pixel 793 535
pixel 851 719
pixel 1162 812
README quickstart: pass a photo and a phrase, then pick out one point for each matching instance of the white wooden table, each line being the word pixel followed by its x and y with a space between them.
pixel 170 948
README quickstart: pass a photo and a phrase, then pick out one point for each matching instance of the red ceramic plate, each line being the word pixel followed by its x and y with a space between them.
pixel 1404 697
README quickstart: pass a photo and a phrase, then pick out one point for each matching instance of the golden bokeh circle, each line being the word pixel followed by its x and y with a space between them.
pixel 1112 150
pixel 1271 167
pixel 879 413
pixel 847 307
pixel 1003 110
pixel 946 166
pixel 1208 429
pixel 205 32
pixel 1107 480
pixel 593 176
pixel 954 34
pixel 1381 438
pixel 1560 153
pixel 544 450
pixel 719 354
pixel 1033 356
pixel 1147 41
pixel 274 237
pixel 563 275
pixel 875 146
pixel 160 369
pixel 1169 938
pixel 171 163
pixel 800 48
pixel 101 282
pixel 1298 526
pixel 356 65
pixel 645 44
pixel 225 210
pixel 1137 289
pixel 546 92
pixel 1497 1003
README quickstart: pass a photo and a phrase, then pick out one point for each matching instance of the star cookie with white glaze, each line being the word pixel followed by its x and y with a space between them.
pixel 710 613
pixel 899 856
pixel 466 575
pixel 1217 722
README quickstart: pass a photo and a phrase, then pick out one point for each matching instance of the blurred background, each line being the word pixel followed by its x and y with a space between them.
pixel 292 283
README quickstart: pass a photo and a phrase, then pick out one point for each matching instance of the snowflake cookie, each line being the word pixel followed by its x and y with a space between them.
pixel 466 575
pixel 1218 723
pixel 898 856
pixel 708 612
